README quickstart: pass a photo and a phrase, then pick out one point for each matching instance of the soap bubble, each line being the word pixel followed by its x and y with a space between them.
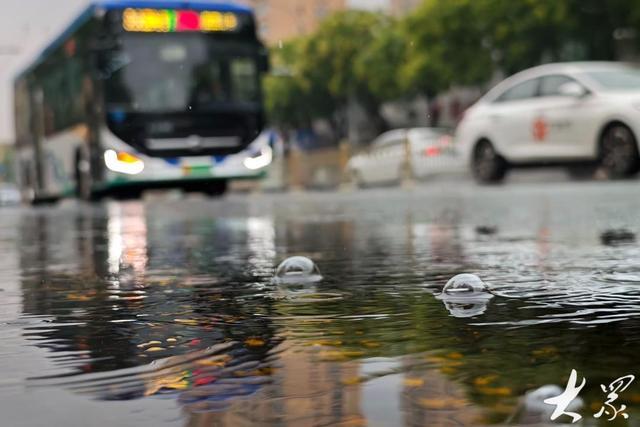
pixel 533 410
pixel 465 295
pixel 298 269
pixel 466 287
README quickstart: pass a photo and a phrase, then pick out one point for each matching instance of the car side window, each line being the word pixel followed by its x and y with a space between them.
pixel 550 85
pixel 388 139
pixel 380 142
pixel 524 90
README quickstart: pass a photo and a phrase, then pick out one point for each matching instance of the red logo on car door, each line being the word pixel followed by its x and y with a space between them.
pixel 540 129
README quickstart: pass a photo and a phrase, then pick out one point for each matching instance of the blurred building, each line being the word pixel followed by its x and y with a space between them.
pixel 402 7
pixel 281 20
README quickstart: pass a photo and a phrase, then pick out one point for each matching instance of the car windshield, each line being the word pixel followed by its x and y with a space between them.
pixel 159 73
pixel 613 80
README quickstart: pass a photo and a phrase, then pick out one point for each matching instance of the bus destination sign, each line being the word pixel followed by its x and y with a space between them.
pixel 172 21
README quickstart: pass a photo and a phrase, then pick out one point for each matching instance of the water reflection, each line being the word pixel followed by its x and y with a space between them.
pixel 143 301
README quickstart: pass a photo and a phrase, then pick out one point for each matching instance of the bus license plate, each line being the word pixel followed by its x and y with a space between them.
pixel 196 171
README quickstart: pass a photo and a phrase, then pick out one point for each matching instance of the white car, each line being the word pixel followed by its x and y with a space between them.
pixel 389 159
pixel 581 113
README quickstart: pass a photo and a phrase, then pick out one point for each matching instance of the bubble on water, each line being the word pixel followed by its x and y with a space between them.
pixel 465 295
pixel 534 410
pixel 297 269
pixel 466 287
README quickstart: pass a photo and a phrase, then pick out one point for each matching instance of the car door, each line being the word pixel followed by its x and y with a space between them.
pixel 395 156
pixel 509 119
pixel 560 126
pixel 431 152
pixel 370 162
pixel 385 157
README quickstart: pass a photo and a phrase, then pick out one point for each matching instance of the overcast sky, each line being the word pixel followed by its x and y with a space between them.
pixel 27 25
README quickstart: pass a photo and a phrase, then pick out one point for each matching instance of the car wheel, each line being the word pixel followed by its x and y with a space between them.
pixel 487 165
pixel 619 152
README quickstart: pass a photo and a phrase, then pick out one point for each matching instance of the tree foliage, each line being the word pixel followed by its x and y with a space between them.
pixel 370 58
pixel 345 60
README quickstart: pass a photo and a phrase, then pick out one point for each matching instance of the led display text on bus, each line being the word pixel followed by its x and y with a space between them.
pixel 171 21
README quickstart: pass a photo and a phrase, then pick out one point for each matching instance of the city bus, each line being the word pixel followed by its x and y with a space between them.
pixel 140 94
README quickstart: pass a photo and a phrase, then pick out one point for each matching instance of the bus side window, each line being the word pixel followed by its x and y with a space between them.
pixel 62 86
pixel 75 76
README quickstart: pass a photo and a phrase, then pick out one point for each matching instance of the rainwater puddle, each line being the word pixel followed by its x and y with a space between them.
pixel 170 315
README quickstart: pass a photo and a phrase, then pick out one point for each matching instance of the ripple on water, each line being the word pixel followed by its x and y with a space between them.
pixel 202 380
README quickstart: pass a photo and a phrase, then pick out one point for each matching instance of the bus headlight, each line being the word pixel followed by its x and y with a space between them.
pixel 123 162
pixel 261 160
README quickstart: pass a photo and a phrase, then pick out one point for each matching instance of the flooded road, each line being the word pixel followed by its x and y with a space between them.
pixel 165 313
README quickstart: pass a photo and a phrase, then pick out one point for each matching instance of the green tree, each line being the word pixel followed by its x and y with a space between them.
pixel 331 61
pixel 466 41
pixel 445 45
pixel 352 57
pixel 369 58
pixel 376 69
pixel 287 102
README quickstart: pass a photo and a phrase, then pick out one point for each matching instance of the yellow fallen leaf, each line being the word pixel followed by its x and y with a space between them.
pixel 455 355
pixel 335 355
pixel 255 342
pixel 219 361
pixel 545 352
pixel 327 343
pixel 485 380
pixel 149 344
pixel 188 322
pixel 154 349
pixel 173 382
pixel 495 391
pixel 78 297
pixel 413 382
pixel 444 403
pixel 352 381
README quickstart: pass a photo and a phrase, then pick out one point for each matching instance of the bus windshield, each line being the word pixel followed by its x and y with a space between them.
pixel 156 73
